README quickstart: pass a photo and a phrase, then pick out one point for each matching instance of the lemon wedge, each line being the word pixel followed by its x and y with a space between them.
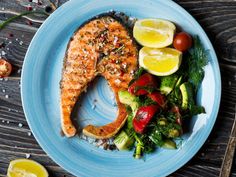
pixel 160 62
pixel 26 168
pixel 155 33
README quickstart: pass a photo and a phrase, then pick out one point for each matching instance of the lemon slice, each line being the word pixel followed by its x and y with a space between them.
pixel 26 168
pixel 155 33
pixel 160 62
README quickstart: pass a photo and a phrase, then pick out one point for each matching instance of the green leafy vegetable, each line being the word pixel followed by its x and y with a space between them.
pixel 139 148
pixel 148 101
pixel 196 61
pixel 144 101
pixel 194 110
pixel 157 137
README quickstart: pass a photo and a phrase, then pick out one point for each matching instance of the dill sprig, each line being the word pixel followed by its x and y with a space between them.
pixel 196 61
pixel 9 20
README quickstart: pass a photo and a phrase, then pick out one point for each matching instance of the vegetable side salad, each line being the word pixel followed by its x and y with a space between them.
pixel 159 103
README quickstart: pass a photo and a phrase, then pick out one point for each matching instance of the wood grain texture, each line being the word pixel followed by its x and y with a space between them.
pixel 217 17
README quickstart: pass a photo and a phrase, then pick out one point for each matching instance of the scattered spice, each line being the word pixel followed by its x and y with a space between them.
pixel 118 81
pixel 94 106
pixel 19 71
pixel 27 156
pixel 118 50
pixel 39 3
pixel 3 53
pixel 10 34
pixel 21 42
pixel 124 68
pixel 48 9
pixel 29 8
pixel 122 73
pixel 2 45
pixel 28 22
pixel 115 40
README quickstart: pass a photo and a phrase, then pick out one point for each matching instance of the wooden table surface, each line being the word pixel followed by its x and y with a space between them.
pixel 217 17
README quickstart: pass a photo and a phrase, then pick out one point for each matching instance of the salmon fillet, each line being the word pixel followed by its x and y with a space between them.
pixel 102 47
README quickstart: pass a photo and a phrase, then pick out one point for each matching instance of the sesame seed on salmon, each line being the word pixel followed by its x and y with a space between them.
pixel 102 46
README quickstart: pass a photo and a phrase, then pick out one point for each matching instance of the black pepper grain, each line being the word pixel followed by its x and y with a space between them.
pixel 48 9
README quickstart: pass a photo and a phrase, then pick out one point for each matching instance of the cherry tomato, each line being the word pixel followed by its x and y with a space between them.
pixel 5 68
pixel 182 41
pixel 138 87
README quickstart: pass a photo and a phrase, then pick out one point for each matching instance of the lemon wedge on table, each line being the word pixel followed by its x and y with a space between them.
pixel 26 168
pixel 160 62
pixel 156 33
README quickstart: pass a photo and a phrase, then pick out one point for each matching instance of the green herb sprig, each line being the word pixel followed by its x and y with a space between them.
pixel 9 20
pixel 196 61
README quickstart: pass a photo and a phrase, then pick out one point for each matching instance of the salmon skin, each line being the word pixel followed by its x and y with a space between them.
pixel 104 47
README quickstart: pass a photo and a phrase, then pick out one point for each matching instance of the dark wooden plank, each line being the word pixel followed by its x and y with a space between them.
pixel 15 47
pixel 17 141
pixel 228 160
pixel 218 19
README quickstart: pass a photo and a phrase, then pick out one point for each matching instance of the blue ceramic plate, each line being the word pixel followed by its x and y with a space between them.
pixel 40 94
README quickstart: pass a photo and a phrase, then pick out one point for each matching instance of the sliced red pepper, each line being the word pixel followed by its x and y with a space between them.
pixel 143 117
pixel 146 80
pixel 159 98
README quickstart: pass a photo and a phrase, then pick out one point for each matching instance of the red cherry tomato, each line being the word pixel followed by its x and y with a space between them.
pixel 182 41
pixel 143 117
pixel 5 68
pixel 146 80
pixel 159 98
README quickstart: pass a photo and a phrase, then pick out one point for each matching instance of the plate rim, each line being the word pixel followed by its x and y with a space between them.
pixel 216 73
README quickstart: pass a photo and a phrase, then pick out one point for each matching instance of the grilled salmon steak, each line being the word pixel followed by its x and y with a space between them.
pixel 102 47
